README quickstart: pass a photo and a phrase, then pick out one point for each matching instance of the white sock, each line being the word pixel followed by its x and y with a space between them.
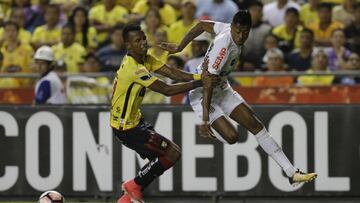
pixel 274 150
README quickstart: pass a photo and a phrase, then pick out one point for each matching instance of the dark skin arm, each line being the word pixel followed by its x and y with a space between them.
pixel 175 74
pixel 173 89
pixel 192 34
pixel 205 129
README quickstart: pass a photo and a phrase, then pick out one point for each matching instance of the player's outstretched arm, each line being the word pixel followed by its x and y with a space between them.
pixel 177 74
pixel 199 28
pixel 173 89
pixel 207 80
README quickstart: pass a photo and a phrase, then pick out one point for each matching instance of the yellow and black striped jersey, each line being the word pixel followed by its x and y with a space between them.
pixel 129 88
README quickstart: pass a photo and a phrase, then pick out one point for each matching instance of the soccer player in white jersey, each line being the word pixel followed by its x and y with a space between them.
pixel 49 89
pixel 216 105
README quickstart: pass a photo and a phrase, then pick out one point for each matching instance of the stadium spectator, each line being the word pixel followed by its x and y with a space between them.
pixel 352 64
pixel 319 63
pixel 88 90
pixel 352 31
pixel 270 41
pixel 175 62
pixel 39 10
pixel 178 29
pixel 253 47
pixel 198 50
pixel 85 34
pixel 162 55
pixel 323 29
pixel 25 6
pixel 274 12
pixel 289 32
pixel 49 89
pixel 167 13
pixel 337 54
pixel 128 4
pixel 66 6
pixel 300 59
pixel 69 52
pixel 17 16
pixel 216 10
pixel 50 33
pixel 344 13
pixel 151 24
pixel 274 59
pixel 106 15
pixel 111 55
pixel 308 12
pixel 17 57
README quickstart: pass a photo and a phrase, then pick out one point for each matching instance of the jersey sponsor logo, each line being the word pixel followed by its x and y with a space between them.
pixel 145 77
pixel 219 58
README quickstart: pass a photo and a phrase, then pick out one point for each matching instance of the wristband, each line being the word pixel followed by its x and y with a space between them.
pixel 196 76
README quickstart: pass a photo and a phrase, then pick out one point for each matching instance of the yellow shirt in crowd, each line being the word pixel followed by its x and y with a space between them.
pixel 167 12
pixel 24 35
pixel 72 56
pixel 320 34
pixel 91 36
pixel 313 80
pixel 178 30
pixel 308 16
pixel 280 31
pixel 43 35
pixel 16 61
pixel 129 89
pixel 116 15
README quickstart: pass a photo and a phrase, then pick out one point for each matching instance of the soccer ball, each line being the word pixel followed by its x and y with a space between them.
pixel 51 197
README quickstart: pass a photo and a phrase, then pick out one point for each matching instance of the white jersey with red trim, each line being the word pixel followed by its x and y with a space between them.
pixel 222 54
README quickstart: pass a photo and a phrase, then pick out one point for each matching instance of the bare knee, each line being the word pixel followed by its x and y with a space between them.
pixel 231 138
pixel 255 126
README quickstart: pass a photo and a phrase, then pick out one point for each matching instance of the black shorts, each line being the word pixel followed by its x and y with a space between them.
pixel 144 140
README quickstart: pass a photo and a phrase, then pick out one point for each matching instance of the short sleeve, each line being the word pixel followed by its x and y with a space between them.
pixel 219 27
pixel 144 77
pixel 217 56
pixel 152 63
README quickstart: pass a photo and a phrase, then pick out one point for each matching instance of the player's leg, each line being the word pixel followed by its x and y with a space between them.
pixel 226 131
pixel 161 152
pixel 246 117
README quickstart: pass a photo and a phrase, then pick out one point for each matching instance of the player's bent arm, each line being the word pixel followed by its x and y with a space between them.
pixel 199 28
pixel 173 89
pixel 176 74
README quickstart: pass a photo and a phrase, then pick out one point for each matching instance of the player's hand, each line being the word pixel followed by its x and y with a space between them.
pixel 209 80
pixel 170 47
pixel 205 131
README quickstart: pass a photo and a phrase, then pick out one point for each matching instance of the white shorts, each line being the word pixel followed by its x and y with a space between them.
pixel 223 103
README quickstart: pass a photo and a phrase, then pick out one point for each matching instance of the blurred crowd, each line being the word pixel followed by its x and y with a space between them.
pixel 86 36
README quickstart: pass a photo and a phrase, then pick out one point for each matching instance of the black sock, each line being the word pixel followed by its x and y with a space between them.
pixel 149 172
